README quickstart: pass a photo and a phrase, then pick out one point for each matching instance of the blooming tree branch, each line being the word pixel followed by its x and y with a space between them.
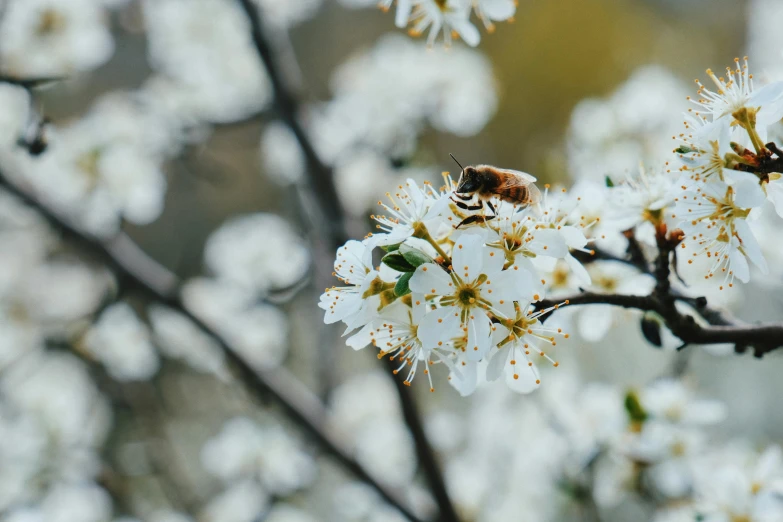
pixel 466 267
pixel 137 270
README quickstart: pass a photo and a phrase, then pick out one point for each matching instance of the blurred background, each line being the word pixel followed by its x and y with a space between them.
pixel 165 129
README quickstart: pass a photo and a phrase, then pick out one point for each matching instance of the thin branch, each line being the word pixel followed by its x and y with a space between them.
pixel 278 384
pixel 321 177
pixel 321 180
pixel 764 337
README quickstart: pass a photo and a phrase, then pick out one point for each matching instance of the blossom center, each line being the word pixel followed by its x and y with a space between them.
pixel 467 296
pixel 50 22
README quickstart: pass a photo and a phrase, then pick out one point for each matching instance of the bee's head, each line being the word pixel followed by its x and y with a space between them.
pixel 469 181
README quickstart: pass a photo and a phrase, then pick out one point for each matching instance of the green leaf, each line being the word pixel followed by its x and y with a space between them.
pixel 402 287
pixel 397 262
pixel 391 248
pixel 415 257
pixel 609 182
pixel 634 407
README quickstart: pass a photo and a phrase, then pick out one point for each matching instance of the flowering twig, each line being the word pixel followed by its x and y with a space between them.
pixel 134 268
pixel 321 181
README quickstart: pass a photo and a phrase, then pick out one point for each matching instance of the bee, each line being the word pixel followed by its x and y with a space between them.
pixel 486 182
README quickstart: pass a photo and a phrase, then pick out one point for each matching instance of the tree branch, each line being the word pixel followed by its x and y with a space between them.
pixel 135 267
pixel 764 337
pixel 321 181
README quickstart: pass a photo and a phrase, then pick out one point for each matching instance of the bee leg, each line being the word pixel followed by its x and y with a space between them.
pixel 465 206
pixel 463 198
pixel 471 219
pixel 492 208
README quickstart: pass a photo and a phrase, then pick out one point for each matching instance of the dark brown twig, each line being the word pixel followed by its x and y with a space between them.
pixel 321 180
pixel 764 337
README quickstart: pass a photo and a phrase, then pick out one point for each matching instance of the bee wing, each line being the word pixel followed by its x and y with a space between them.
pixel 515 173
pixel 518 188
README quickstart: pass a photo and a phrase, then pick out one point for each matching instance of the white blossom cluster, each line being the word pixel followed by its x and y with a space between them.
pixel 464 298
pixel 459 289
pixel 728 172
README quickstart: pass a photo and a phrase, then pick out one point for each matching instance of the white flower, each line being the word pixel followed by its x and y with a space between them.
pixel 490 11
pixel 86 503
pixel 446 15
pixel 358 304
pixel 726 493
pixel 54 37
pixel 611 136
pixel 122 343
pixel 670 400
pixel 521 237
pixel 411 208
pixel 384 98
pixel 244 449
pixel 477 286
pixel 713 217
pixel 522 335
pixel 206 47
pixel 735 92
pixel 281 155
pixel 177 337
pixel 641 199
pixel 258 331
pixel 260 252
pixel 410 336
pixel 703 151
pixel 242 502
pixel 403 13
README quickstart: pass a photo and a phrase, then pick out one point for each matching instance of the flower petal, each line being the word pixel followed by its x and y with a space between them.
pixel 429 278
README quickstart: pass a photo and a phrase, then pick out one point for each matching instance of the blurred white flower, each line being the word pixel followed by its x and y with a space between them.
pixel 385 448
pixel 62 291
pixel 258 331
pixel 122 343
pixel 104 167
pixel 168 516
pixel 57 389
pixel 54 37
pixel 635 124
pixel 86 503
pixel 281 155
pixel 260 252
pixel 383 97
pixel 671 400
pixel 244 449
pixel 206 46
pixel 287 513
pixel 241 502
pixel 177 337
